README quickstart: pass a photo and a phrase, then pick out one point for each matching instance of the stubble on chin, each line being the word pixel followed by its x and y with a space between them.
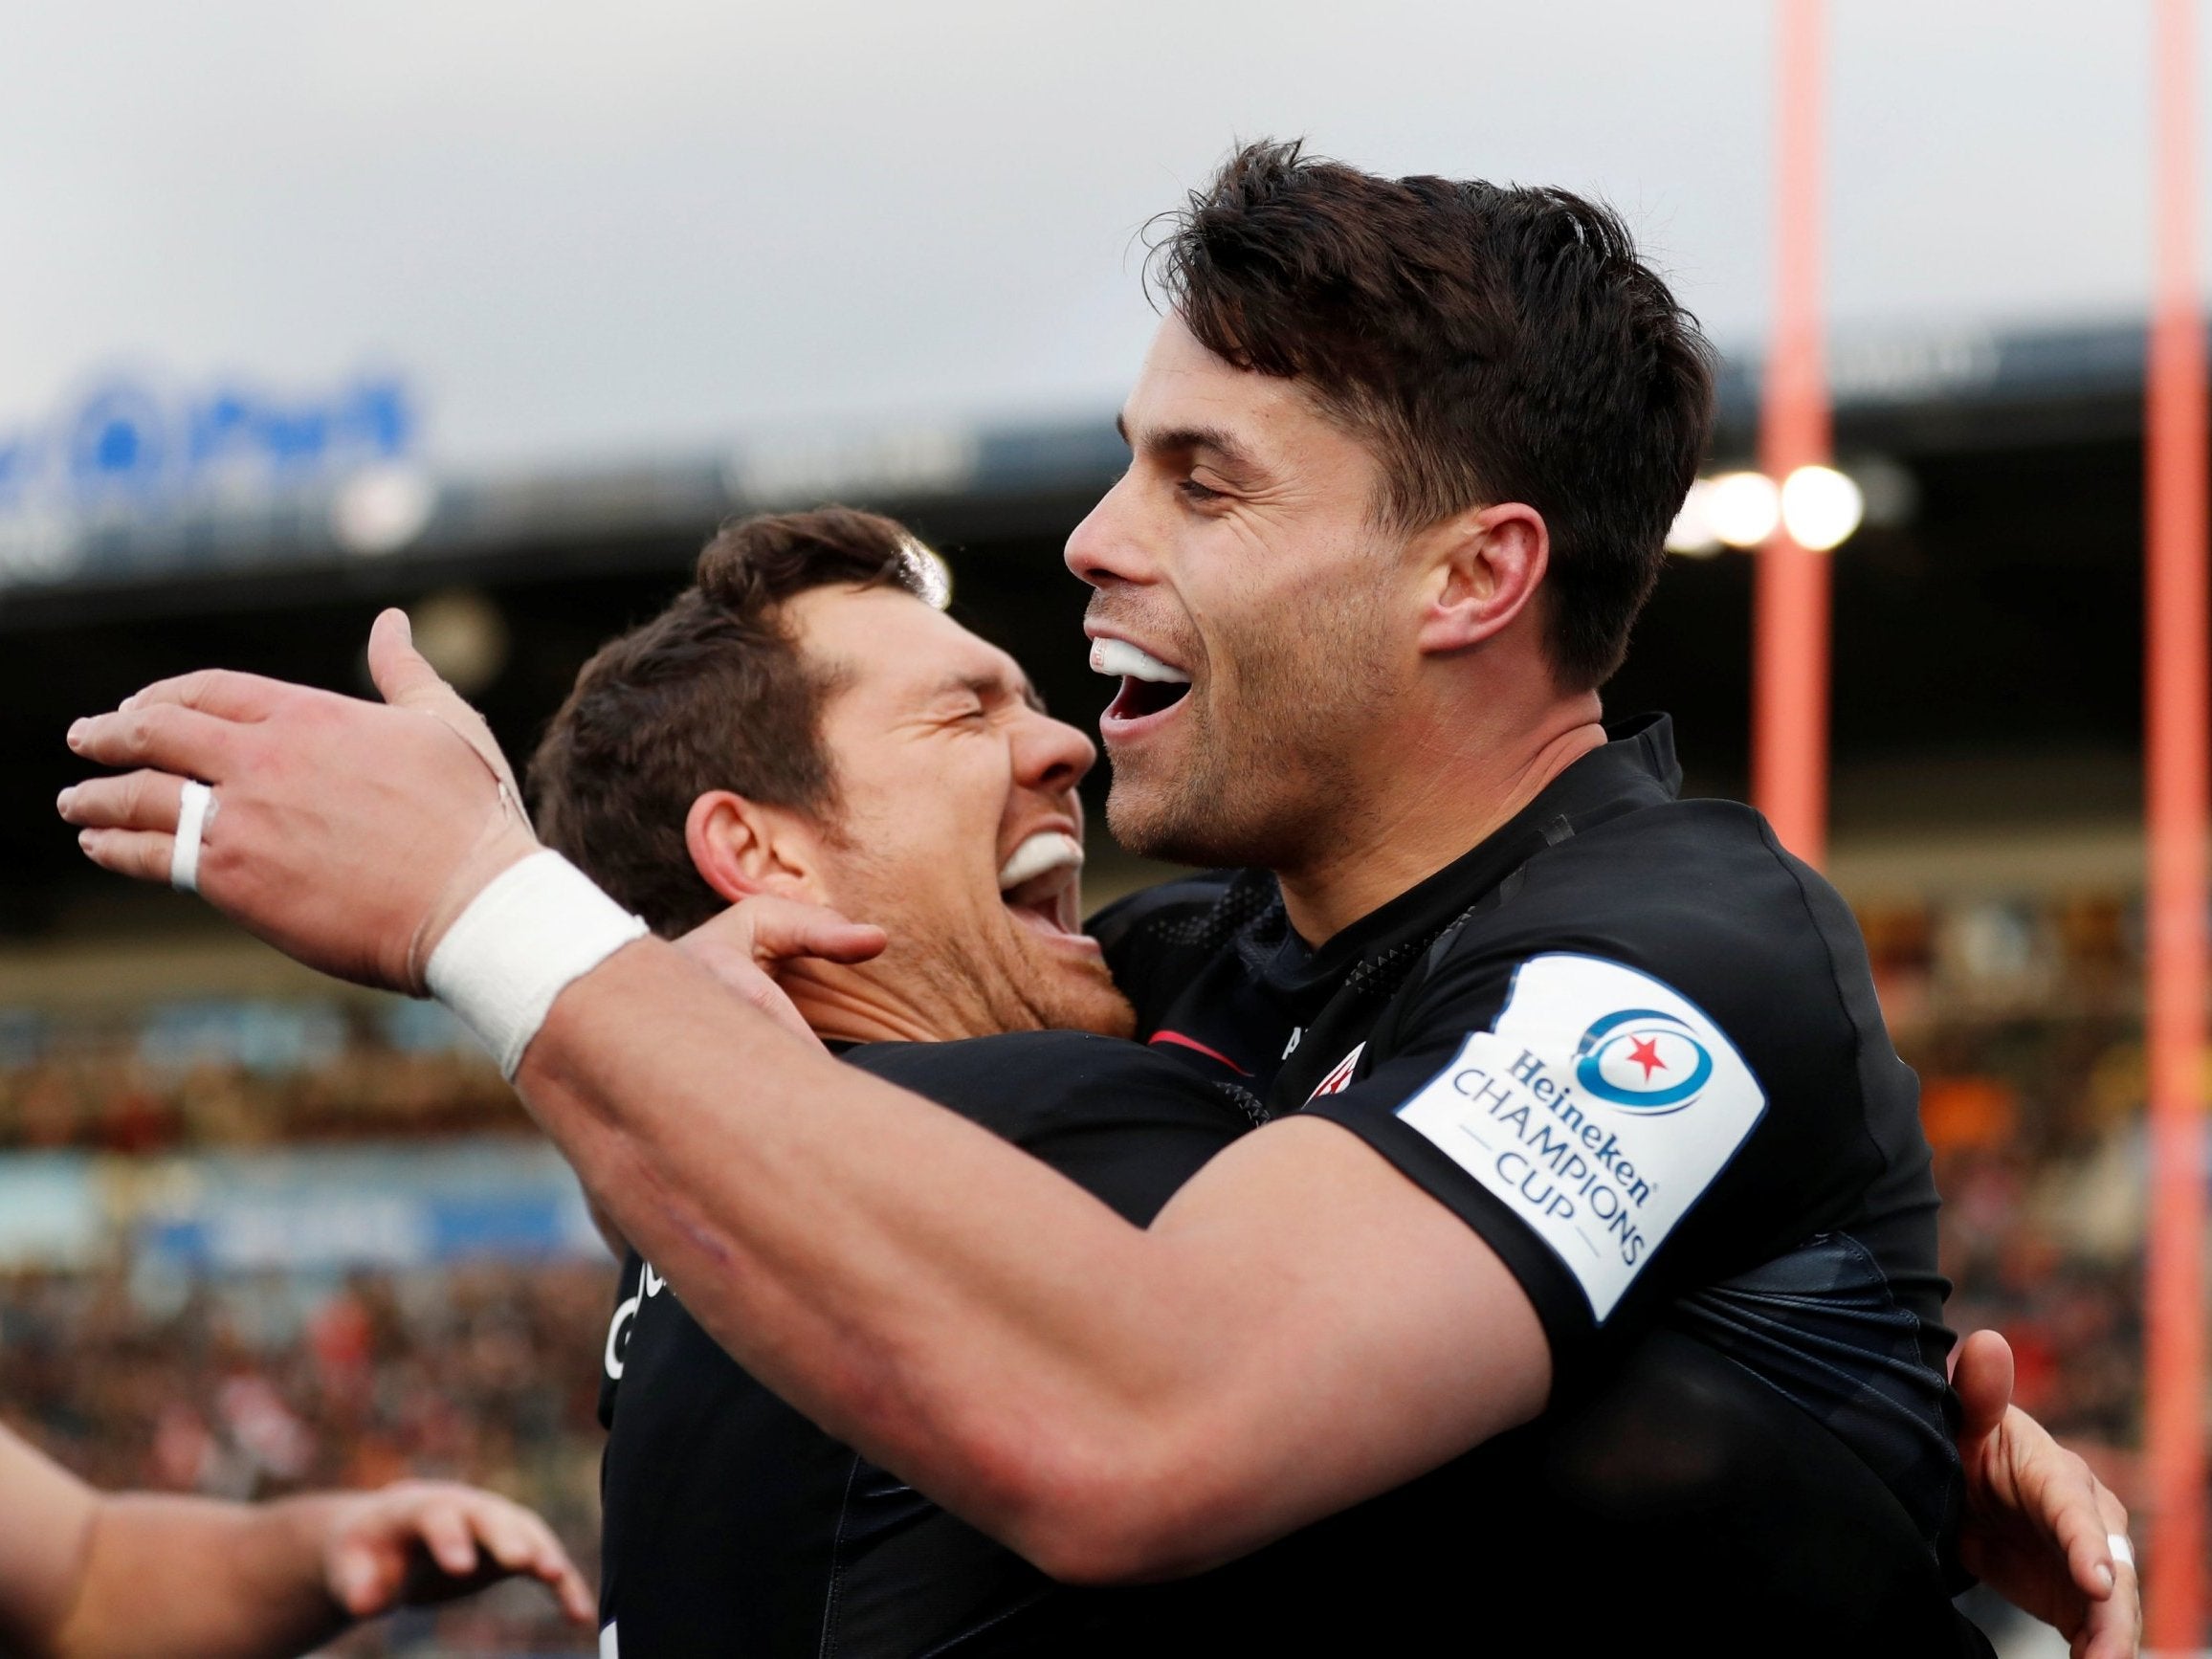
pixel 1222 812
pixel 1259 786
pixel 1054 993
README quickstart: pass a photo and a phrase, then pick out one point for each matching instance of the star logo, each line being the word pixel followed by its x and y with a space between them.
pixel 1643 1060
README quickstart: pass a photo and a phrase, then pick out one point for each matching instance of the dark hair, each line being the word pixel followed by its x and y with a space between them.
pixel 1490 344
pixel 712 694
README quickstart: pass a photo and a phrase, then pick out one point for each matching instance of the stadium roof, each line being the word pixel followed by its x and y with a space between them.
pixel 99 539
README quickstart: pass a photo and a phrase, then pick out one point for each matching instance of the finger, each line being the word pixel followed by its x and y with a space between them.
pixel 405 679
pixel 142 854
pixel 2070 1509
pixel 165 736
pixel 845 942
pixel 574 1594
pixel 550 1562
pixel 2114 1629
pixel 502 1531
pixel 403 675
pixel 445 1533
pixel 784 928
pixel 1982 1380
pixel 362 1585
pixel 215 691
pixel 141 800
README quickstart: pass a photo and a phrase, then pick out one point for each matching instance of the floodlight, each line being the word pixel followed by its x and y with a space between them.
pixel 1821 507
pixel 1691 534
pixel 1742 508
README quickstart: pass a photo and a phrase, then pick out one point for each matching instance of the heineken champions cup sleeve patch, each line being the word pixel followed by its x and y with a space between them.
pixel 1598 1108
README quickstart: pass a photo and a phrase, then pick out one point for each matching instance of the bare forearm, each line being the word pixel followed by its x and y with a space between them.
pixel 179 1578
pixel 909 1324
pixel 1086 1391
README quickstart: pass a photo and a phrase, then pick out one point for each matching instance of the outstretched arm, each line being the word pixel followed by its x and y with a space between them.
pixel 1113 1401
pixel 86 1575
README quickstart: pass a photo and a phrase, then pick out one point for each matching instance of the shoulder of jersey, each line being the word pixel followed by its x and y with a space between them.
pixel 1670 887
pixel 1185 899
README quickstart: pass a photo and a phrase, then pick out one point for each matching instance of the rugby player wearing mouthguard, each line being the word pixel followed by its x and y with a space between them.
pixel 1404 452
pixel 797 725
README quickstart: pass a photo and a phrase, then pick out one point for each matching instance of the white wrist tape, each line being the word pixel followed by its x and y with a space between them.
pixel 536 926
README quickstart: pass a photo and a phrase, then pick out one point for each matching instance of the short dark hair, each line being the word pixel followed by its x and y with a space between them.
pixel 712 694
pixel 1488 343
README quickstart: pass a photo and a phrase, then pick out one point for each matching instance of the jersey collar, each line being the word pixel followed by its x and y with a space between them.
pixel 1635 767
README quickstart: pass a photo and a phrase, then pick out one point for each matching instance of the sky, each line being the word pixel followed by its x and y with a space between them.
pixel 588 233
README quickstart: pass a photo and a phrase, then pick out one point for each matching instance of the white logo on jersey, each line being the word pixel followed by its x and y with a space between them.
pixel 649 1284
pixel 1599 1107
pixel 617 1328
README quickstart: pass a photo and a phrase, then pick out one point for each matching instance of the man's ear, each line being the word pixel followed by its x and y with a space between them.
pixel 1485 568
pixel 742 848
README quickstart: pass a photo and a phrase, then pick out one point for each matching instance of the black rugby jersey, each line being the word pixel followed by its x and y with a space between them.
pixel 1635 1045
pixel 735 1527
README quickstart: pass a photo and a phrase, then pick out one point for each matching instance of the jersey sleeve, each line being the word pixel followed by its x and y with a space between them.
pixel 1582 1116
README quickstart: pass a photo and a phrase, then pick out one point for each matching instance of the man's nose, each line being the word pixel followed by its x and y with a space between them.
pixel 1108 547
pixel 1051 756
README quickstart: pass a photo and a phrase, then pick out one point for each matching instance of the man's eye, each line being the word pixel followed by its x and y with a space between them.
pixel 1194 491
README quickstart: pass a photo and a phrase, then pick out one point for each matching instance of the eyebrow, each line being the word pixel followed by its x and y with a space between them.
pixel 1173 438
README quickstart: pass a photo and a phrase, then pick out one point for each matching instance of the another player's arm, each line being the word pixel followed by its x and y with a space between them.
pixel 86 1575
pixel 1114 1403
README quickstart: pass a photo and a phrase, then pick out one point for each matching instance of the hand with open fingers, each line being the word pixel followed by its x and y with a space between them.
pixel 744 947
pixel 424 1540
pixel 347 833
pixel 2039 1526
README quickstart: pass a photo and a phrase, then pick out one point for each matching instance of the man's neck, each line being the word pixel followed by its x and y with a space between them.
pixel 844 1005
pixel 1432 807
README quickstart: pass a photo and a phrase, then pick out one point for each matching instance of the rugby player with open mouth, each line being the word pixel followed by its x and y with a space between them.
pixel 733 1524
pixel 1404 455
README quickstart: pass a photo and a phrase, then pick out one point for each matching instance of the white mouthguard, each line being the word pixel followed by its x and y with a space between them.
pixel 1117 657
pixel 1047 849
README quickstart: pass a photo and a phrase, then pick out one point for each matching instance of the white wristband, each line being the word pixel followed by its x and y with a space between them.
pixel 536 926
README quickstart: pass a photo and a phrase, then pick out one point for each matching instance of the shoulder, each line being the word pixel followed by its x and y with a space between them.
pixel 1692 908
pixel 1162 941
pixel 1696 893
pixel 1195 914
pixel 1023 1084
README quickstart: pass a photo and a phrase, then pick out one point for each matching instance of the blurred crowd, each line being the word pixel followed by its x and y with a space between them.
pixel 255 1387
pixel 2025 1021
pixel 245 1074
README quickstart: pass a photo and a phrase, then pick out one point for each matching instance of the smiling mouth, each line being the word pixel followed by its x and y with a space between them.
pixel 1040 883
pixel 1148 685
